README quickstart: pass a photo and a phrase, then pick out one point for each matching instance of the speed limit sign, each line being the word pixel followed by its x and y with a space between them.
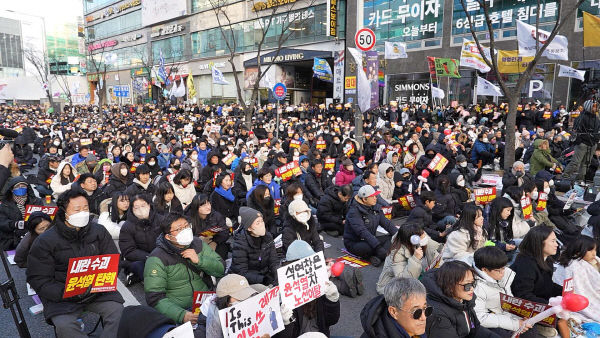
pixel 364 39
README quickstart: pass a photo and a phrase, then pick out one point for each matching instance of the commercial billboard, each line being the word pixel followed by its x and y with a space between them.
pixel 154 11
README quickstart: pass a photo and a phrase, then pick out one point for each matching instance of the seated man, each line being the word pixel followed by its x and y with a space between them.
pixel 362 221
pixel 179 265
pixel 16 195
pixel 73 235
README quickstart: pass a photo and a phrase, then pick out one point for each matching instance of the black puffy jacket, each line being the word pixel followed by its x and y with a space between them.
pixel 212 220
pixel 239 186
pixel 10 236
pixel 227 208
pixel 376 321
pixel 255 258
pixel 135 188
pixel 531 282
pixel 137 238
pixel 362 222
pixel 445 205
pixel 331 211
pixel 268 212
pixel 293 230
pixel 316 185
pixel 48 263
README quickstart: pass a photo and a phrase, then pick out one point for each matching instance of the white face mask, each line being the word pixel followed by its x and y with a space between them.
pixel 424 241
pixel 551 183
pixel 463 164
pixel 259 231
pixel 534 195
pixel 79 220
pixel 298 196
pixel 485 140
pixel 185 237
pixel 142 213
pixel 56 143
pixel 151 163
pixel 336 141
pixel 303 217
pixel 460 183
pixel 123 172
pixel 547 190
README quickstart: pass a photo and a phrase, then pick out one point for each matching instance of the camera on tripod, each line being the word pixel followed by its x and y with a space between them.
pixel 8 137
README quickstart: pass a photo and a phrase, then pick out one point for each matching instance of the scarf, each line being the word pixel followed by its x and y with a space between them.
pixel 227 194
pixel 145 186
pixel 20 201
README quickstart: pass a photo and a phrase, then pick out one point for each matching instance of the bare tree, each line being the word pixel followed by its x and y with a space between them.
pixel 62 79
pixel 144 60
pixel 38 59
pixel 96 64
pixel 265 25
pixel 513 94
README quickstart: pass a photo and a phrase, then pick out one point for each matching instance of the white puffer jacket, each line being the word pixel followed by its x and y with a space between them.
pixel 487 304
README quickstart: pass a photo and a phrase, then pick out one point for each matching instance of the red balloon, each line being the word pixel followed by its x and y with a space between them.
pixel 447 132
pixel 425 173
pixel 337 268
pixel 574 302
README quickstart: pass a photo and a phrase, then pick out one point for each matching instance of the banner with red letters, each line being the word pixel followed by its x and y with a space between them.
pixel 99 272
pixel 526 206
pixel 321 144
pixel 329 164
pixel 48 210
pixel 525 308
pixel 484 196
pixel 199 298
pixel 407 202
pixel 438 163
pixel 289 170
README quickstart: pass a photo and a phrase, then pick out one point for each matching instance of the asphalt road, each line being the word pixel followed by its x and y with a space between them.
pixel 348 326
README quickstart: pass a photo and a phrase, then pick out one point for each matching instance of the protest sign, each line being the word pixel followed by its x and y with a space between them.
pixel 438 163
pixel 99 272
pixel 212 231
pixel 229 158
pixel 277 205
pixel 199 298
pixel 484 196
pixel 492 180
pixel 329 164
pixel 352 261
pixel 568 286
pixel 289 170
pixel 295 144
pixel 85 141
pixel 542 202
pixel 407 202
pixel 254 317
pixel 321 144
pixel 525 308
pixel 303 280
pixel 387 212
pixel 31 208
pixel 526 206
pixel 253 162
pixel 348 149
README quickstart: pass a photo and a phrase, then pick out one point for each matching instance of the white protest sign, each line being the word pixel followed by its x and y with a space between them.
pixel 303 280
pixel 254 317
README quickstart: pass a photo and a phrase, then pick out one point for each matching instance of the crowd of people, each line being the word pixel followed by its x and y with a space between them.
pixel 195 198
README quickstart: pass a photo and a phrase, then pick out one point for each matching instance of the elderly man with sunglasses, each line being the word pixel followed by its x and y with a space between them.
pixel 401 312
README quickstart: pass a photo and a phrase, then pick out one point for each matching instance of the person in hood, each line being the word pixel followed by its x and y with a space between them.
pixel 213 165
pixel 209 224
pixel 451 293
pixel 541 158
pixel 37 223
pixel 119 178
pixel 64 178
pixel 332 209
pixel 183 187
pixel 16 195
pixel 253 250
pixel 23 154
pixel 516 176
pixel 400 312
pixel 470 176
pixel 72 235
pixel 385 181
pixel 393 159
pixel 87 165
pixel 301 225
pixel 152 163
pixel 494 278
pixel 138 237
pixel 102 172
pixel 179 265
pixel 243 181
pixel 142 184
pixel 346 173
pixel 191 163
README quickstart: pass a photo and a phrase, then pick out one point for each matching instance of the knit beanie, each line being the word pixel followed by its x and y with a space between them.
pixel 247 216
pixel 297 250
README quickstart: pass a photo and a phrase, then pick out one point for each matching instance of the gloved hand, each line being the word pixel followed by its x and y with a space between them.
pixel 20 225
pixel 381 252
pixel 331 292
pixel 287 315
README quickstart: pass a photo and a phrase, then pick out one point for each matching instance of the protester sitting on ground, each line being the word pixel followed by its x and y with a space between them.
pixel 519 225
pixel 301 225
pixel 209 224
pixel 37 223
pixel 482 154
pixel 179 265
pixel 466 235
pixel 317 315
pixel 493 277
pixel 253 250
pixel 72 235
pixel 346 173
pixel 499 225
pixel 541 158
pixel 164 200
pixel 87 184
pixel 421 214
pixel 116 214
pixel 265 177
pixel 183 187
pixel 142 184
pixel 317 181
pixel 16 195
pixel 64 178
pixel 223 200
pixel 332 209
pixel 119 178
pixel 516 176
pixel 406 259
pixel 361 225
pixel 243 181
pixel 260 200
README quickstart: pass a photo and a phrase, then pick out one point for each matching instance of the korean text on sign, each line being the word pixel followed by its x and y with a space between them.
pixel 286 172
pixel 352 261
pixel 199 298
pixel 99 272
pixel 484 196
pixel 302 281
pixel 407 202
pixel 30 209
pixel 329 164
pixel 525 308
pixel 438 163
pixel 254 317
pixel 526 206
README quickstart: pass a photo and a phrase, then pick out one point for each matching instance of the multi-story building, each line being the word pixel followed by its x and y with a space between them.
pixel 11 49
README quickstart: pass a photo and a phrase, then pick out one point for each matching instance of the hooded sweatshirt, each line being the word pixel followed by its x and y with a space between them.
pixel 386 185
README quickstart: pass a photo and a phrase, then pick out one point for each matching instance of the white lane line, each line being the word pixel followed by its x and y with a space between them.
pixel 127 295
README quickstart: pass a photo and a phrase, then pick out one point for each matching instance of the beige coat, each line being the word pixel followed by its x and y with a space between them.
pixel 457 246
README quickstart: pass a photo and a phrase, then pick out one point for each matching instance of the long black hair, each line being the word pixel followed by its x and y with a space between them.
pixel 533 246
pixel 577 249
pixel 496 224
pixel 467 222
pixel 159 196
pixel 192 212
pixel 405 232
pixel 114 208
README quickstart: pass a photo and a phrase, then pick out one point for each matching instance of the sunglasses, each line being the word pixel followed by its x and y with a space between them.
pixel 419 312
pixel 469 286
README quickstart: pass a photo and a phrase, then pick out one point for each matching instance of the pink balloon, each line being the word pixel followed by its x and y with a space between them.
pixel 337 268
pixel 425 173
pixel 574 302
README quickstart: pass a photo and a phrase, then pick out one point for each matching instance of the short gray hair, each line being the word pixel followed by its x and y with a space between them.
pixel 518 164
pixel 398 290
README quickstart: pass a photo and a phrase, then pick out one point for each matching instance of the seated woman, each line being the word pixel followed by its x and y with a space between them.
pixel 223 200
pixel 301 225
pixel 406 259
pixel 184 187
pixel 499 227
pixel 165 201
pixel 36 224
pixel 450 291
pixel 64 178
pixel 261 200
pixel 519 225
pixel 467 235
pixel 493 278
pixel 113 218
pixel 332 209
pixel 209 224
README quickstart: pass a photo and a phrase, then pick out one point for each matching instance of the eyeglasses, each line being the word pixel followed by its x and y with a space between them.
pixel 181 228
pixel 469 286
pixel 419 312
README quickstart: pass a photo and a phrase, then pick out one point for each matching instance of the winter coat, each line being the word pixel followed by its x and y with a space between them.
pixel 540 159
pixel 138 236
pixel 268 212
pixel 400 263
pixel 377 322
pixel 137 188
pixel 331 211
pixel 185 195
pixel 116 181
pixel 274 189
pixel 94 199
pixel 445 205
pixel 386 185
pixel 362 222
pixel 170 280
pixel 240 187
pixel 328 314
pixel 212 220
pixel 316 185
pixel 254 257
pixel 293 230
pixel 519 227
pixel 487 301
pixel 531 282
pixel 229 209
pixel 509 179
pixel 10 235
pixel 344 176
pixel 48 263
pixel 458 246
pixel 56 185
pixel 113 228
pixel 23 248
pixel 449 317
pixel 478 148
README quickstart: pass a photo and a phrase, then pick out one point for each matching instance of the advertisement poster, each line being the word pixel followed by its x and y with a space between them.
pixel 372 76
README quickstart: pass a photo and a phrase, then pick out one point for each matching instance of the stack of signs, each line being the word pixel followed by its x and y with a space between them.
pixel 321 145
pixel 542 202
pixel 303 281
pixel 99 272
pixel 438 163
pixel 387 212
pixel 484 196
pixel 525 308
pixel 199 298
pixel 295 144
pixel 348 149
pixel 30 209
pixel 407 202
pixel 287 171
pixel 255 317
pixel 329 164
pixel 526 206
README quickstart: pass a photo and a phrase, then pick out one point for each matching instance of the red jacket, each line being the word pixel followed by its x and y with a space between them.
pixel 344 177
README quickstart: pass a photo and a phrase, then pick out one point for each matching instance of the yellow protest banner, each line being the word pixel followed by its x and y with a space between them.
pixel 509 62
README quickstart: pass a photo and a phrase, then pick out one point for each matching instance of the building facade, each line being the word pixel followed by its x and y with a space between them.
pixel 11 48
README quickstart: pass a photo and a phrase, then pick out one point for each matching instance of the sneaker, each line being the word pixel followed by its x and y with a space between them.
pixel 375 261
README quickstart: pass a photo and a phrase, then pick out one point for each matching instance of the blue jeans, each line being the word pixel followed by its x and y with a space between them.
pixel 446 220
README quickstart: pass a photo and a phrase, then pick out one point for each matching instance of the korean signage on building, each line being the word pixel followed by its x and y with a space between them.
pixel 131 37
pixel 332 17
pixel 113 10
pixel 408 90
pixel 503 14
pixel 166 30
pixel 264 5
pixel 404 20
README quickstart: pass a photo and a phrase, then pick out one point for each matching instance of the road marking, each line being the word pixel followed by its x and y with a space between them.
pixel 127 295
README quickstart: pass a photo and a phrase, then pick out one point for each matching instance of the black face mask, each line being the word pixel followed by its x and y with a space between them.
pixel 177 167
pixel 430 155
pixel 406 178
pixel 247 172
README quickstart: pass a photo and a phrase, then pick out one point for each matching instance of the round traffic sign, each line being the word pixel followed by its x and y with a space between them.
pixel 364 39
pixel 279 91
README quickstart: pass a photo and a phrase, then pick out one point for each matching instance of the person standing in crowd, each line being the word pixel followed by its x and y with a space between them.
pixel 586 128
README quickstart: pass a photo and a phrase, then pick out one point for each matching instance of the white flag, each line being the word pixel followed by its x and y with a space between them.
pixel 180 92
pixel 363 86
pixel 437 93
pixel 565 71
pixel 217 77
pixel 557 50
pixel 485 87
pixel 395 50
pixel 471 57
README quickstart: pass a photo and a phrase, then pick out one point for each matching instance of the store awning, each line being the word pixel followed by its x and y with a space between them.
pixel 286 55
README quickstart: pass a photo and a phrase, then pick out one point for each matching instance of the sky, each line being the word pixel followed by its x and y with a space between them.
pixel 54 11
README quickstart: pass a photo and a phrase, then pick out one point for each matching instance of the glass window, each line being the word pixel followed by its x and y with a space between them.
pixel 118 25
pixel 92 5
pixel 172 49
pixel 204 5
